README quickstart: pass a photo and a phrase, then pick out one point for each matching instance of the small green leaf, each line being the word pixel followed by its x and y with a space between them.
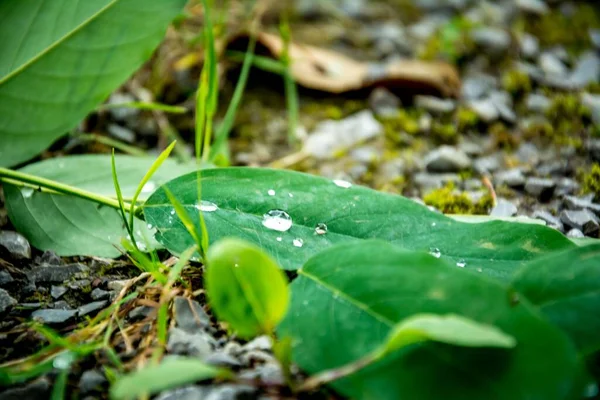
pixel 170 373
pixel 245 287
pixel 566 288
pixel 450 329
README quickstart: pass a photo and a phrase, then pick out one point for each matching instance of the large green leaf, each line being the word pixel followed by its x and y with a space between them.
pixel 244 195
pixel 60 59
pixel 347 300
pixel 74 226
pixel 566 287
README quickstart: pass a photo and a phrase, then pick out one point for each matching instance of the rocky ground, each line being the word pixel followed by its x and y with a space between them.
pixel 521 139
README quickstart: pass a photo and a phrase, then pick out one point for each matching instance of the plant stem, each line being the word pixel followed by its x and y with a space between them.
pixel 125 148
pixel 58 187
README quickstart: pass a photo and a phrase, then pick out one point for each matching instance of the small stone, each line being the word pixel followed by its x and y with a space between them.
pixel 49 258
pixel 553 168
pixel 593 147
pixel 541 188
pixel 122 113
pixel 595 37
pixel 383 102
pixel 488 164
pixel 57 291
pixel 426 182
pixel 485 109
pixel 552 65
pixel 222 359
pixel 140 313
pixel 268 374
pixel 538 103
pixel 61 305
pixel 188 318
pixel 512 178
pixel 91 307
pixel 184 393
pixel 530 46
pixel 91 380
pixel 446 159
pixel 6 302
pixel 50 316
pixel 117 285
pixel 537 7
pixel 494 40
pixel 15 244
pixel 256 356
pixel 551 220
pixel 503 103
pixel 566 186
pixel 578 203
pixel 57 274
pixel 586 71
pixel 195 344
pixel 477 86
pixel 592 101
pixel 263 342
pixel 121 133
pixel 229 391
pixel 575 234
pixel 435 105
pixel 584 220
pixel 37 389
pixel 99 294
pixel 5 278
pixel 504 208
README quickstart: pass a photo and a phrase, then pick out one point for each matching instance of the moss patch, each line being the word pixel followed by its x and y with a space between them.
pixel 591 181
pixel 450 201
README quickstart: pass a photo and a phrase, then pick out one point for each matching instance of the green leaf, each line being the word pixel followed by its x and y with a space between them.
pixel 347 299
pixel 351 214
pixel 74 226
pixel 170 373
pixel 64 58
pixel 245 287
pixel 450 329
pixel 566 288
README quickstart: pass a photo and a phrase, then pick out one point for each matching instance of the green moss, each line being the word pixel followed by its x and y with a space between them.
pixel 466 118
pixel 591 181
pixel 449 201
pixel 569 119
pixel 451 42
pixel 503 137
pixel 516 82
pixel 404 121
pixel 445 133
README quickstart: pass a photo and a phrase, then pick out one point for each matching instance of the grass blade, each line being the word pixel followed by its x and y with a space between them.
pixel 120 199
pixel 141 105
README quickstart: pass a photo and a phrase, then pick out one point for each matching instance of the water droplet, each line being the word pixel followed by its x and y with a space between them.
pixel 479 270
pixel 271 192
pixel 277 220
pixel 279 239
pixel 236 265
pixel 434 251
pixel 173 212
pixel 149 187
pixel 342 183
pixel 291 195
pixel 433 224
pixel 461 263
pixel 321 229
pixel 149 226
pixel 298 242
pixel 27 192
pixel 305 303
pixel 207 206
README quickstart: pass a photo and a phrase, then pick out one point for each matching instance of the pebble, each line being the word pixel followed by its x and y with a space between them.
pixel 592 101
pixel 595 37
pixel 550 219
pixel 140 313
pixel 184 393
pixel 5 278
pixel 538 103
pixel 91 380
pixel 579 203
pixel 268 374
pixel 593 148
pixel 57 291
pixel 222 359
pixel 584 220
pixel 425 181
pixel 435 105
pixel 263 342
pixel 477 86
pixel 57 274
pixel 485 109
pixel 503 208
pixel 49 257
pixel 99 294
pixel 331 137
pixel 37 389
pixel 51 316
pixel 586 71
pixel 575 234
pixel 61 305
pixel 92 307
pixel 541 188
pixel 229 391
pixel 488 164
pixel 529 45
pixel 513 178
pixel 552 65
pixel 194 344
pixel 117 285
pixel 189 319
pixel 122 113
pixel 121 133
pixel 446 159
pixel 566 186
pixel 537 7
pixel 383 102
pixel 6 302
pixel 494 40
pixel 15 244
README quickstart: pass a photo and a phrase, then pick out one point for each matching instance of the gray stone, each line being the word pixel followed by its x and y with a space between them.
pixel 477 86
pixel 229 391
pixel 586 71
pixel 122 113
pixel 117 285
pixel 222 359
pixel 6 301
pixel 593 147
pixel 550 219
pixel 61 305
pixel 553 168
pixel 49 257
pixel 425 181
pixel 189 315
pixel 512 177
pixel 592 101
pixel 5 278
pixel 566 186
pixel 575 234
pixel 578 203
pixel 435 105
pixel 488 164
pixel 538 7
pixel 528 154
pixel 446 159
pixel 15 244
pixel 263 342
pixel 552 65
pixel 529 45
pixel 595 37
pixel 99 294
pixel 268 374
pixel 185 343
pixel 584 220
pixel 330 137
pixel 485 109
pixel 503 208
pixel 50 316
pixel 140 313
pixel 494 40
pixel 470 148
pixel 37 389
pixel 121 133
pixel 538 103
pixel 503 103
pixel 383 102
pixel 256 356
pixel 541 188
pixel 91 307
pixel 57 291
pixel 184 393
pixel 91 380
pixel 57 274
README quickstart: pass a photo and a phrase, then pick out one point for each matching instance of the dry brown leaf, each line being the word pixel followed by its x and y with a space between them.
pixel 320 69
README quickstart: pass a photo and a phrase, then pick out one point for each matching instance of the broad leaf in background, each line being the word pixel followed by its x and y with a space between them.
pixel 293 216
pixel 566 287
pixel 74 226
pixel 245 287
pixel 347 299
pixel 60 59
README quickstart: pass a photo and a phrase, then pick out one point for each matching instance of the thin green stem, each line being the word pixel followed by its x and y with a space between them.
pixel 58 187
pixel 117 144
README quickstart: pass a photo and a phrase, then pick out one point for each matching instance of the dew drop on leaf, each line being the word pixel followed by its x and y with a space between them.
pixel 291 195
pixel 207 206
pixel 277 220
pixel 26 192
pixel 149 187
pixel 298 242
pixel 271 192
pixel 461 263
pixel 173 212
pixel 321 229
pixel 342 183
pixel 279 239
pixel 434 251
